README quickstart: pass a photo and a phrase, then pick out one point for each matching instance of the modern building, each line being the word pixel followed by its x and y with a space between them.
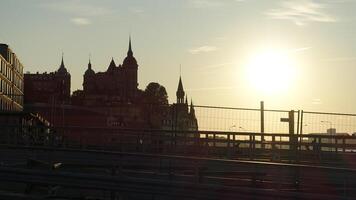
pixel 11 80
pixel 49 88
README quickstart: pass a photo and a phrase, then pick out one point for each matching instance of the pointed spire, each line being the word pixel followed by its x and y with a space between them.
pixel 180 85
pixel 89 64
pixel 129 52
pixel 180 91
pixel 112 65
pixel 192 110
pixel 62 69
pixel 186 99
pixel 62 63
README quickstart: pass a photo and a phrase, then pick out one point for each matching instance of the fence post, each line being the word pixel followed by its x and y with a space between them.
pixel 262 125
pixel 228 146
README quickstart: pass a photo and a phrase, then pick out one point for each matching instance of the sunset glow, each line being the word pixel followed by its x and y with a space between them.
pixel 270 72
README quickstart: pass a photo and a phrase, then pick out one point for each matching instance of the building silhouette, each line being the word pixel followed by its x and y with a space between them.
pixel 49 88
pixel 181 116
pixel 117 85
pixel 108 99
pixel 11 80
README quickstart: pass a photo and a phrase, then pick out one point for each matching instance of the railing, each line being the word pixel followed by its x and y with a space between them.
pixel 234 145
pixel 117 173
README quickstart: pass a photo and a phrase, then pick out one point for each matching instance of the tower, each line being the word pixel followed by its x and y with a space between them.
pixel 180 92
pixel 192 110
pixel 88 76
pixel 62 80
pixel 62 69
pixel 130 69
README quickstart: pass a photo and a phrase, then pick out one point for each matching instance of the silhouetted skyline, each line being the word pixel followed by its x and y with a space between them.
pixel 214 41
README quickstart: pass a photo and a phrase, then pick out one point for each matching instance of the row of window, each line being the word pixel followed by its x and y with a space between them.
pixel 7 71
pixel 5 105
pixel 15 62
pixel 7 90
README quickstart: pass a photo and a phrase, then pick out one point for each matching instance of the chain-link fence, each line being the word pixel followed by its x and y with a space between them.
pixel 242 119
pixel 328 123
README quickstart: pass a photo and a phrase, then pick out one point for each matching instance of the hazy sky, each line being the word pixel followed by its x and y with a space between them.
pixel 213 40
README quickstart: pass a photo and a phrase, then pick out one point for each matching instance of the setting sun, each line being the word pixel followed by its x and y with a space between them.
pixel 270 71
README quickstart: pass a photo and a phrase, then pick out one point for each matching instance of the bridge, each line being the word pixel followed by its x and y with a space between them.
pixel 68 162
pixel 156 164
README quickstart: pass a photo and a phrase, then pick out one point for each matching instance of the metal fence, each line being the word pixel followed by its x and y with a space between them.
pixel 328 123
pixel 213 123
pixel 241 119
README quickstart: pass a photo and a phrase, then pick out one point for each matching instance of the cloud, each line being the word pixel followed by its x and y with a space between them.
pixel 76 7
pixel 216 66
pixel 301 12
pixel 210 88
pixel 136 10
pixel 205 3
pixel 80 21
pixel 202 49
pixel 300 49
pixel 340 59
pixel 316 101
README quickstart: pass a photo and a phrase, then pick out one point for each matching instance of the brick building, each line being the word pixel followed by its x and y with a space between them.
pixel 50 88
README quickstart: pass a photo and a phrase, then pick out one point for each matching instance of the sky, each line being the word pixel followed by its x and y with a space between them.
pixel 216 43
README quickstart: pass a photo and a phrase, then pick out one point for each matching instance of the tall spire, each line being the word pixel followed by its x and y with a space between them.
pixel 129 52
pixel 180 91
pixel 62 69
pixel 89 64
pixel 62 63
pixel 192 110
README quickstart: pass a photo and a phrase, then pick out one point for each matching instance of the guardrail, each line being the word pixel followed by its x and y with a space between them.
pixel 180 176
pixel 248 145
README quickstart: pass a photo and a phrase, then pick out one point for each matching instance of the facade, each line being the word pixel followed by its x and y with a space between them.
pixel 180 115
pixel 108 99
pixel 50 88
pixel 116 86
pixel 11 80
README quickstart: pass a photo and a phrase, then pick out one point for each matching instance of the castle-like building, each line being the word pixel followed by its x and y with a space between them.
pixel 110 98
pixel 48 88
pixel 118 84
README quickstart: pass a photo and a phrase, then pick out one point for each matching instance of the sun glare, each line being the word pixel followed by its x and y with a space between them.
pixel 271 72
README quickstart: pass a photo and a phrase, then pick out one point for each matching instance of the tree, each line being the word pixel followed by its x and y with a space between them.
pixel 156 94
pixel 155 104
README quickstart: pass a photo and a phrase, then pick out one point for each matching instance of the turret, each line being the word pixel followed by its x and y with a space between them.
pixel 62 69
pixel 180 92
